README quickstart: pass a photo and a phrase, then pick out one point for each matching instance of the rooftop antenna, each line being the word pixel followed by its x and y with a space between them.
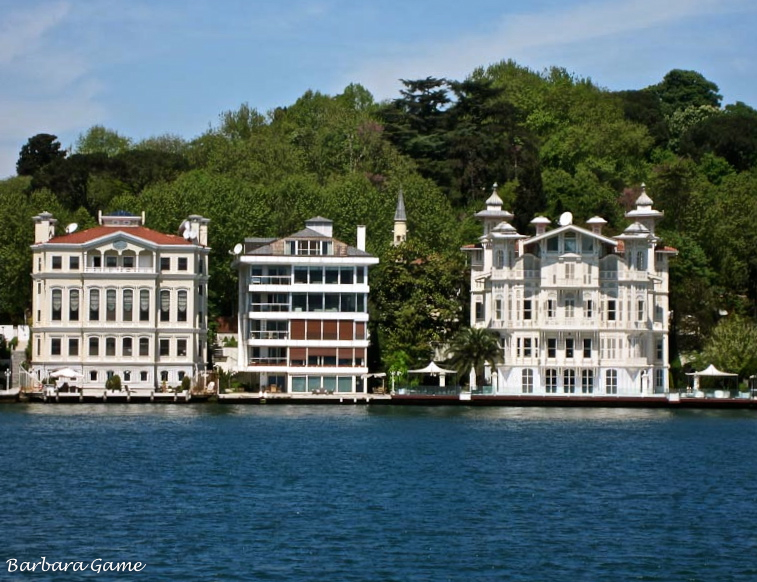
pixel 565 219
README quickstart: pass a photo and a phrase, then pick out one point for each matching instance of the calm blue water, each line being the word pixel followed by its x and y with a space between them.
pixel 204 492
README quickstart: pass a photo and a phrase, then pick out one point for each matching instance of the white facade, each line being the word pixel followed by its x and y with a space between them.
pixel 578 313
pixel 120 299
pixel 303 311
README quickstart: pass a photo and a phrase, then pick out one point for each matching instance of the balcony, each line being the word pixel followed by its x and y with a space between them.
pixel 271 280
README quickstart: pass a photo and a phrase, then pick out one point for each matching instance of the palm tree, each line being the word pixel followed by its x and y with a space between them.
pixel 474 347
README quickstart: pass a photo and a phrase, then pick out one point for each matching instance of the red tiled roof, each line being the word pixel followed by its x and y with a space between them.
pixel 667 249
pixel 97 232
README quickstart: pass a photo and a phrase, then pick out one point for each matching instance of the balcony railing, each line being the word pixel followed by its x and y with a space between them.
pixel 269 335
pixel 271 280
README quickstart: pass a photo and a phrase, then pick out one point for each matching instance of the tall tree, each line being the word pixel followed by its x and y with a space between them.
pixel 680 89
pixel 101 140
pixel 38 151
pixel 472 348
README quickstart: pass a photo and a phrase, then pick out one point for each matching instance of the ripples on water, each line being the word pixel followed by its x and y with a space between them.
pixel 202 492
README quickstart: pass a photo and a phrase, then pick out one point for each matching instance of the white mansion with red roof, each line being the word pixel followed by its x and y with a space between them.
pixel 121 299
pixel 577 312
pixel 303 311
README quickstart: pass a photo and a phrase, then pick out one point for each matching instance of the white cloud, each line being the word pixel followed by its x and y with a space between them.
pixel 23 31
pixel 524 35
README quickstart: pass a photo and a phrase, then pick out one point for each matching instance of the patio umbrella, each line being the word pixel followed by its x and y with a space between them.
pixel 67 373
pixel 434 370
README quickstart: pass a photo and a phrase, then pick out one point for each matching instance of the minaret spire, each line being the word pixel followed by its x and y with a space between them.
pixel 400 221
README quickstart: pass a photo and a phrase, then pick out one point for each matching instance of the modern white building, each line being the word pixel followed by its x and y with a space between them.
pixel 577 312
pixel 303 311
pixel 121 299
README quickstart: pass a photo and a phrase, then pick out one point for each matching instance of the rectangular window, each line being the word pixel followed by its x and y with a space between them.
pixel 144 346
pixel 570 271
pixel 94 346
pixel 659 379
pixel 73 346
pixel 660 350
pixel 93 376
pixel 181 347
pixel 570 306
pixel 143 376
pixel 332 276
pixel 498 309
pixel 479 311
pixel 73 263
pixel 128 261
pixel 569 242
pixel 587 347
pixel 553 245
pixel 347 275
pixel 182 264
pixel 111 261
pixel 164 347
pixel 110 346
pixel 611 309
pixel 550 308
pixel 57 262
pixel 126 347
pixel 301 275
pixel 569 347
pixel 552 347
pixel 165 263
pixel 55 346
pixel 526 309
pixel 527 347
pixel 640 310
pixel 589 309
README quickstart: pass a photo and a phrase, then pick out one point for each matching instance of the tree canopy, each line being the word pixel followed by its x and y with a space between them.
pixel 552 140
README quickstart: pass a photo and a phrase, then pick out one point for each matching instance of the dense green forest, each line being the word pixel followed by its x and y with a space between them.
pixel 552 141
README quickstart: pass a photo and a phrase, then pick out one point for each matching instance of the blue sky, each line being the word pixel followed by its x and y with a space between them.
pixel 150 67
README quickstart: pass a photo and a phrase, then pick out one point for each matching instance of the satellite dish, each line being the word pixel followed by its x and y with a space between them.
pixel 238 248
pixel 184 226
pixel 565 219
pixel 187 235
pixel 71 228
pixel 190 234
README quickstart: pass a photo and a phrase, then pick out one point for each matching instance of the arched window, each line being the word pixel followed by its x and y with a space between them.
pixel 181 304
pixel 144 305
pixel 94 305
pixel 73 305
pixel 165 305
pixel 527 381
pixel 128 304
pixel 57 304
pixel 110 305
pixel 499 262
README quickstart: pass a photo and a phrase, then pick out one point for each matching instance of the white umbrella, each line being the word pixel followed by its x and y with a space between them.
pixel 68 373
pixel 434 370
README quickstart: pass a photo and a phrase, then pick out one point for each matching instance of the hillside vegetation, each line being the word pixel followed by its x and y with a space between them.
pixel 552 141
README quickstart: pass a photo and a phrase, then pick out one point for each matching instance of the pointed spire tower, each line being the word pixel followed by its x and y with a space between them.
pixel 493 214
pixel 400 221
pixel 644 213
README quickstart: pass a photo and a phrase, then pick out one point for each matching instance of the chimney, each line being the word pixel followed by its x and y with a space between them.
pixel 44 227
pixel 541 223
pixel 361 237
pixel 596 223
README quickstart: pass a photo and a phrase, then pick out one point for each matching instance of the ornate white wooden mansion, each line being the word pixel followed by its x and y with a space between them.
pixel 577 312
